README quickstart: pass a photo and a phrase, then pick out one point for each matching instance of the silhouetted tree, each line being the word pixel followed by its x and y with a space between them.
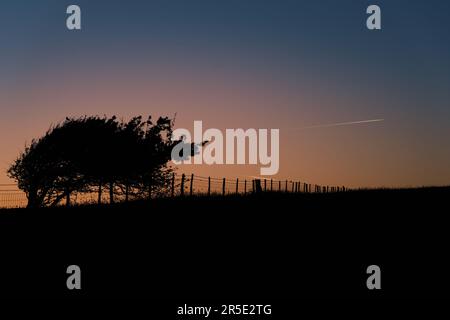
pixel 84 154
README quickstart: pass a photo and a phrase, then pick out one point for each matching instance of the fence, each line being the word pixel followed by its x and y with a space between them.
pixel 180 185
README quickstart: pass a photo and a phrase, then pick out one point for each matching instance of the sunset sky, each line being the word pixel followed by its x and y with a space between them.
pixel 293 65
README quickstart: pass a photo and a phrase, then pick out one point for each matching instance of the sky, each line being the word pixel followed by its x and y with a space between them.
pixel 294 65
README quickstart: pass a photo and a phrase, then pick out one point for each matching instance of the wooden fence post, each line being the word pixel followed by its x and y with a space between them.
pixel 245 186
pixel 265 185
pixel 223 187
pixel 279 185
pixel 192 184
pixel 286 186
pixel 271 185
pixel 237 185
pixel 111 192
pixel 182 184
pixel 99 193
pixel 209 186
pixel 127 191
pixel 150 183
pixel 173 184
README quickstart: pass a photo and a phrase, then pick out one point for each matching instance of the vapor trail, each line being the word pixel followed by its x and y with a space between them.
pixel 340 124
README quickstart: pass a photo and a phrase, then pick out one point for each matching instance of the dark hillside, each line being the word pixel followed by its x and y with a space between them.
pixel 272 245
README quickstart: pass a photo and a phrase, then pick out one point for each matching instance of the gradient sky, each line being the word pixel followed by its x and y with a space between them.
pixel 251 64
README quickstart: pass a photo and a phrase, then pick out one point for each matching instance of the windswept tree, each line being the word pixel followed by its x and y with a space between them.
pixel 84 154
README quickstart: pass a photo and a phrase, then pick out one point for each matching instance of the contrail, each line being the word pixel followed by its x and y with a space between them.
pixel 339 124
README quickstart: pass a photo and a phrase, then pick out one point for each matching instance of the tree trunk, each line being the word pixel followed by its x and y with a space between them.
pixel 67 198
pixel 32 199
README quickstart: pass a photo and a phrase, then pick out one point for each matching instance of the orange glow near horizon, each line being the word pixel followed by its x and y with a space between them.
pixel 388 153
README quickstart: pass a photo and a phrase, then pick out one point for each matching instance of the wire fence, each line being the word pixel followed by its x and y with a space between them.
pixel 179 186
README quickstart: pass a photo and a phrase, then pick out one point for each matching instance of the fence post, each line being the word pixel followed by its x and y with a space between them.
pixel 271 185
pixel 343 189
pixel 286 186
pixel 279 185
pixel 292 186
pixel 173 184
pixel 223 187
pixel 265 185
pixel 253 185
pixel 111 192
pixel 150 188
pixel 192 184
pixel 99 193
pixel 183 176
pixel 209 186
pixel 237 185
pixel 245 186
